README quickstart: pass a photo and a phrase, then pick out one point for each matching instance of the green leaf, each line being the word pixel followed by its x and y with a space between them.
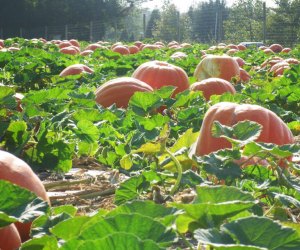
pixel 221 164
pixel 145 101
pixel 220 240
pixel 16 135
pixel 241 133
pixel 262 232
pixel 68 209
pixel 126 162
pixel 130 189
pixel 43 224
pixel 149 148
pixel 87 131
pixel 212 206
pixel 139 225
pixel 62 229
pixel 18 204
pixel 43 243
pixel 118 240
pixel 185 140
pixel 147 208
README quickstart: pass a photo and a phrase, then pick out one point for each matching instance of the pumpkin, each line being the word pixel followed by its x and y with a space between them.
pixel 121 49
pixel 18 172
pixel 74 42
pixel 278 68
pixel 274 130
pixel 76 69
pixel 71 50
pixel 138 43
pixel 224 67
pixel 94 46
pixel 244 75
pixel 133 49
pixel 158 74
pixel 9 238
pixel 178 55
pixel 286 50
pixel 276 48
pixel 240 61
pixel 119 91
pixel 150 47
pixel 213 86
pixel 64 44
pixel 87 52
pixel 242 47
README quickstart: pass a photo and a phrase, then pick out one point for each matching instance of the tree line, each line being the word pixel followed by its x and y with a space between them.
pixel 208 21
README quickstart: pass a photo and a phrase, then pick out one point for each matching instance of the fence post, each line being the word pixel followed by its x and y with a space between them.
pixel 264 22
pixel 91 31
pixel 21 32
pixel 116 33
pixel 178 26
pixel 46 32
pixel 144 25
pixel 66 31
pixel 216 27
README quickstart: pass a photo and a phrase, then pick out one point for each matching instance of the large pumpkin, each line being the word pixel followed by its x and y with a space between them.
pixel 119 91
pixel 274 130
pixel 76 69
pixel 18 172
pixel 224 67
pixel 9 238
pixel 158 74
pixel 213 86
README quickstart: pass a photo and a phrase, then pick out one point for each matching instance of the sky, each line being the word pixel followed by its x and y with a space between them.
pixel 183 5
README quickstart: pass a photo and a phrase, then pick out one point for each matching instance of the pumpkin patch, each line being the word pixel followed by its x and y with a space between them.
pixel 131 155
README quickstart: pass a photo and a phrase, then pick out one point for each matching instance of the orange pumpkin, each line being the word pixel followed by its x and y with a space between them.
pixel 121 49
pixel 244 75
pixel 76 69
pixel 9 238
pixel 224 67
pixel 75 43
pixel 133 49
pixel 213 86
pixel 19 172
pixel 286 50
pixel 71 50
pixel 276 48
pixel 119 91
pixel 274 130
pixel 158 74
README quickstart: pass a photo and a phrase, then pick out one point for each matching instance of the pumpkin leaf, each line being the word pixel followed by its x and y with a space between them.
pixel 43 243
pixel 123 240
pixel 221 164
pixel 262 232
pixel 239 134
pixel 130 223
pixel 212 206
pixel 19 204
pixel 130 189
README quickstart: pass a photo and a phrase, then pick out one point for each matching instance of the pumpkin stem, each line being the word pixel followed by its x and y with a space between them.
pixel 179 170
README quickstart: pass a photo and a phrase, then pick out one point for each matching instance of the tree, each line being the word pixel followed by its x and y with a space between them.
pixel 207 21
pixel 152 23
pixel 172 25
pixel 283 23
pixel 245 21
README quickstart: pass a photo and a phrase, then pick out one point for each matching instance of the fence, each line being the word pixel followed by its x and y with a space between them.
pixel 215 27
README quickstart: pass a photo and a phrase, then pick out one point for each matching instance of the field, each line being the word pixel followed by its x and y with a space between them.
pixel 131 176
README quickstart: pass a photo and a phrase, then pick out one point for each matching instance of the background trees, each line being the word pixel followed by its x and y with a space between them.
pixel 208 21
